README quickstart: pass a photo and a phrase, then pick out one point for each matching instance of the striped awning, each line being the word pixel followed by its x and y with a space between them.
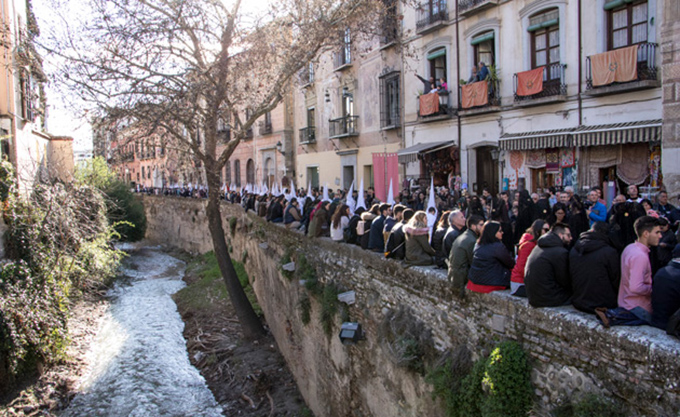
pixel 618 134
pixel 557 138
pixel 410 154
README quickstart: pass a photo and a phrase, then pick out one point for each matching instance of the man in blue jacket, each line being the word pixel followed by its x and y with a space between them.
pixel 597 212
pixel 376 239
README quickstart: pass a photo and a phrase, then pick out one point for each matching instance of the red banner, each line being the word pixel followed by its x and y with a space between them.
pixel 381 181
pixel 429 104
pixel 475 94
pixel 619 65
pixel 530 82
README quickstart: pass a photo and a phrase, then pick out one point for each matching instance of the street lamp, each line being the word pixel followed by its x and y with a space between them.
pixel 279 147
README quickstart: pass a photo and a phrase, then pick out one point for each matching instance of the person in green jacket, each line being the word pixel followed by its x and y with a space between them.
pixel 460 257
pixel 418 249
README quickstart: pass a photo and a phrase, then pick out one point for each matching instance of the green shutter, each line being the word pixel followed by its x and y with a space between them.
pixel 551 22
pixel 482 38
pixel 613 4
pixel 436 54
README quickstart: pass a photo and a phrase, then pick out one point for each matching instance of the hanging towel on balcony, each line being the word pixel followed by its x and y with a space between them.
pixel 429 104
pixel 475 94
pixel 619 65
pixel 530 82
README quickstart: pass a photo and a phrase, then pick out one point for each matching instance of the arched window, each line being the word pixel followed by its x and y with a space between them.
pixel 250 172
pixel 545 38
pixel 237 172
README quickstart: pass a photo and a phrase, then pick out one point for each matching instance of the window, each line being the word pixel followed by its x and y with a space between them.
pixel 389 100
pixel 143 176
pixel 347 47
pixel 627 24
pixel 227 174
pixel 269 172
pixel 268 120
pixel 313 176
pixel 310 117
pixel 437 61
pixel 484 47
pixel 545 38
pixel 237 172
pixel 250 172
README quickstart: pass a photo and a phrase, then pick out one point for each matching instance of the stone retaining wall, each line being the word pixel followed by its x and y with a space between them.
pixel 571 353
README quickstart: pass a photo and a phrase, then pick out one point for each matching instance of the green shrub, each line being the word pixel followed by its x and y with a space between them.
pixel 469 399
pixel 446 377
pixel 507 382
pixel 329 308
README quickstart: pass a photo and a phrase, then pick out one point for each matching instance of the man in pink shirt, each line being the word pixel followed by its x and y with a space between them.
pixel 635 290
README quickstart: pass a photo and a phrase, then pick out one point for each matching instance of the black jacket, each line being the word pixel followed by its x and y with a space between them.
pixel 665 294
pixel 352 234
pixel 595 270
pixel 491 265
pixel 452 234
pixel 546 275
pixel 395 246
pixel 376 240
pixel 437 244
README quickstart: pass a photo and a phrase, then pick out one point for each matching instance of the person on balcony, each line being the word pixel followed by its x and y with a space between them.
pixel 482 72
pixel 427 84
pixel 474 77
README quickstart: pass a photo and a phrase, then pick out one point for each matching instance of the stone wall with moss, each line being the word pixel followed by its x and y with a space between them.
pixel 384 375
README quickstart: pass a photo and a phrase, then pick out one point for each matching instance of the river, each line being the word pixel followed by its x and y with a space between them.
pixel 138 361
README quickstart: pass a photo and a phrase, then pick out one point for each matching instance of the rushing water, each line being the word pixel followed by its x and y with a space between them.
pixel 139 362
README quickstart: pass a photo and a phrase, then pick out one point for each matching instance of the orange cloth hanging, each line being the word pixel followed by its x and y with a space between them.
pixel 530 82
pixel 429 104
pixel 475 94
pixel 619 65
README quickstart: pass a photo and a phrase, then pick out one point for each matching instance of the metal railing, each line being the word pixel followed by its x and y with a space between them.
pixel 554 83
pixel 494 96
pixel 344 126
pixel 343 57
pixel 307 135
pixel 464 5
pixel 646 65
pixel 430 13
pixel 265 128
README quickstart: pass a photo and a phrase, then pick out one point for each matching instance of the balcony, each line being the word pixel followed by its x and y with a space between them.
pixel 265 128
pixel 307 135
pixel 343 59
pixel 647 74
pixel 307 76
pixel 492 103
pixel 432 15
pixel 554 87
pixel 389 31
pixel 444 111
pixel 343 127
pixel 468 7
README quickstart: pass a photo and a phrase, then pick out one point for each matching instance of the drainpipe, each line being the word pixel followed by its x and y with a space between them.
pixel 580 67
pixel 460 151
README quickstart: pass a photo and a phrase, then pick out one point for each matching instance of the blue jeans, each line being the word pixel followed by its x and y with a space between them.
pixel 619 316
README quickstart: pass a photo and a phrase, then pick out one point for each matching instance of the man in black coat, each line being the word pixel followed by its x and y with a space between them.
pixel 666 292
pixel 456 228
pixel 595 270
pixel 395 246
pixel 546 274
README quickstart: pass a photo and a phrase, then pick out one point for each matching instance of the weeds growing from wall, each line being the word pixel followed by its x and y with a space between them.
pixel 591 405
pixel 407 340
pixel 497 386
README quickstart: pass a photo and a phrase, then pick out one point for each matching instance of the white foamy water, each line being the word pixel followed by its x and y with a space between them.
pixel 139 362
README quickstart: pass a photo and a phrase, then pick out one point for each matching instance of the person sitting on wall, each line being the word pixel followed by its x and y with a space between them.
pixel 395 246
pixel 418 249
pixel 595 270
pixel 351 236
pixel 456 228
pixel 527 243
pixel 491 261
pixel 461 254
pixel 292 216
pixel 393 220
pixel 546 275
pixel 666 292
pixel 339 223
pixel 376 240
pixel 437 241
pixel 635 290
pixel 364 227
pixel 319 225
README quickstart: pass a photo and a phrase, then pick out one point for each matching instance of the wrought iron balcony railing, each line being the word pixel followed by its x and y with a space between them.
pixel 307 135
pixel 343 127
pixel 468 5
pixel 432 13
pixel 554 83
pixel 646 66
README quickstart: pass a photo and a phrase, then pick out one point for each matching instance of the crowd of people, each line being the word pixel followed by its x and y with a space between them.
pixel 620 262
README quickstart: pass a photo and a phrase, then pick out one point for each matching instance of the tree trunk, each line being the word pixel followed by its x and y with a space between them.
pixel 252 327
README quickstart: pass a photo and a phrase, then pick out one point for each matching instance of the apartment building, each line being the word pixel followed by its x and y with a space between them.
pixel 348 113
pixel 556 111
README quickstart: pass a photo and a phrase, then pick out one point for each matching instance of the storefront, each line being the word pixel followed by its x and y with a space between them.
pixel 438 160
pixel 611 156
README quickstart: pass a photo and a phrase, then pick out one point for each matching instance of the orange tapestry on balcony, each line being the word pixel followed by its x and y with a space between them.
pixel 475 94
pixel 429 104
pixel 619 65
pixel 530 82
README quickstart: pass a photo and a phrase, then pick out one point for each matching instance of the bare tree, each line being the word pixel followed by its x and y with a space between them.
pixel 187 66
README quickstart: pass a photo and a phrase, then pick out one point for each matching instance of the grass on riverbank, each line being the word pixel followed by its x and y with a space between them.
pixel 210 287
